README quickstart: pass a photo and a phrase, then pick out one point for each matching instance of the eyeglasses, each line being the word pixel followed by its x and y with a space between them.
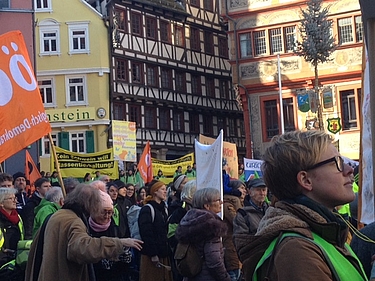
pixel 107 213
pixel 338 160
pixel 217 200
pixel 11 198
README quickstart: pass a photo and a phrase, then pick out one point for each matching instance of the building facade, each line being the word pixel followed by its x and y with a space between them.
pixel 73 75
pixel 170 74
pixel 19 15
pixel 260 32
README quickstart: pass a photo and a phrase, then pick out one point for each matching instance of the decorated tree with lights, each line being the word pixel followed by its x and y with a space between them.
pixel 317 42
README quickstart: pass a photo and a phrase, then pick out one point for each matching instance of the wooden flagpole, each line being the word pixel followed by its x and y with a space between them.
pixel 57 164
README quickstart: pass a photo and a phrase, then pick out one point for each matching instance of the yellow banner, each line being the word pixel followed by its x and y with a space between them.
pixel 169 167
pixel 76 165
pixel 229 153
pixel 124 140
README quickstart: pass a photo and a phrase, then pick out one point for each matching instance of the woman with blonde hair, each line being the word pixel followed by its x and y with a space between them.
pixel 153 228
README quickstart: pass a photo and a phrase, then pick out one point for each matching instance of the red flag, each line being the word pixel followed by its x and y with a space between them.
pixel 31 171
pixel 22 116
pixel 145 164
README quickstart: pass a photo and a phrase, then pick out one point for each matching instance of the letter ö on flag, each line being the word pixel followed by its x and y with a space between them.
pixel 22 116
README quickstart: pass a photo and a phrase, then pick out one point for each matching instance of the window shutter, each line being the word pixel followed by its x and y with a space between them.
pixel 64 140
pixel 90 148
pixel 40 146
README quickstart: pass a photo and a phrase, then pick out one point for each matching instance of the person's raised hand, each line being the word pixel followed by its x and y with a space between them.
pixel 132 243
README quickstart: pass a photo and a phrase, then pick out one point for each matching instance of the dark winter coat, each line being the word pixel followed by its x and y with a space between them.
pixel 204 229
pixel 154 234
pixel 28 214
pixel 294 258
pixel 12 234
pixel 123 205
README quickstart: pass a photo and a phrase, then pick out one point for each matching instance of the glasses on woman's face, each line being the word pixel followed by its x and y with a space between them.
pixel 338 160
pixel 107 213
pixel 11 198
pixel 217 200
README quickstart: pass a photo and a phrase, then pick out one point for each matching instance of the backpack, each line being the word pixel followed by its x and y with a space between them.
pixel 188 262
pixel 133 214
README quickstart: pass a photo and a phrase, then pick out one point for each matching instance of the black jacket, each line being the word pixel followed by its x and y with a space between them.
pixel 28 215
pixel 154 234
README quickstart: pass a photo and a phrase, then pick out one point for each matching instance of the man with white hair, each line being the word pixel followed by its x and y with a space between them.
pixel 52 202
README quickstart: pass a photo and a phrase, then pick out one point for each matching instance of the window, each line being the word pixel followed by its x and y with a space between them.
pixel 358 29
pixel 46 145
pixel 78 142
pixel 166 78
pixel 208 5
pixel 49 32
pixel 194 122
pixel 135 114
pixel 119 111
pixel 47 92
pixel 136 24
pixel 260 42
pixel 195 3
pixel 179 36
pixel 178 121
pixel 150 117
pixel 208 125
pixel 276 40
pixel 350 103
pixel 4 4
pixel 271 116
pixel 120 19
pixel 152 76
pixel 232 127
pixel 290 38
pixel 221 124
pixel 245 45
pixel 76 90
pixel 137 72
pixel 224 89
pixel 40 5
pixel 223 47
pixel 180 81
pixel 208 42
pixel 345 30
pixel 210 87
pixel 78 38
pixel 196 86
pixel 121 69
pixel 194 39
pixel 151 28
pixel 165 32
pixel 164 119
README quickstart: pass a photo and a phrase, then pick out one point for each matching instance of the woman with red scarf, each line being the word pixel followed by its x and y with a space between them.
pixel 11 227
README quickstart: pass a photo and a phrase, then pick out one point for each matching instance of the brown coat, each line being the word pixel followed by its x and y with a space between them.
pixel 68 249
pixel 231 205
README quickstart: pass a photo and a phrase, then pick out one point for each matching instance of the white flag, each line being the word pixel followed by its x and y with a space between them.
pixel 209 159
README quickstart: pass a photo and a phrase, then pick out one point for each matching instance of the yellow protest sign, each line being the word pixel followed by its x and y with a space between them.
pixel 76 165
pixel 170 166
pixel 229 153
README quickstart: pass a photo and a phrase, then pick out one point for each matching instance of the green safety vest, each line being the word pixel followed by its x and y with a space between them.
pixel 2 235
pixel 340 266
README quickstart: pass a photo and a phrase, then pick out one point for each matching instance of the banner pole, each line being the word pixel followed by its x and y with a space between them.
pixel 57 164
pixel 1 167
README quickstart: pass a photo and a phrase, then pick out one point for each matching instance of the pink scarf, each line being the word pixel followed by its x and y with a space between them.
pixel 98 227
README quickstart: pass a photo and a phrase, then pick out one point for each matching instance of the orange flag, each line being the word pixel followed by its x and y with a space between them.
pixel 22 116
pixel 145 164
pixel 31 171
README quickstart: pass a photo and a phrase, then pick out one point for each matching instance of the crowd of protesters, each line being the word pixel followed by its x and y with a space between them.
pixel 291 214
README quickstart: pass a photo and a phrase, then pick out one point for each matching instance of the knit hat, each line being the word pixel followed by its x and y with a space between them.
pixel 18 175
pixel 177 181
pixel 155 187
pixel 106 200
pixel 255 183
pixel 120 184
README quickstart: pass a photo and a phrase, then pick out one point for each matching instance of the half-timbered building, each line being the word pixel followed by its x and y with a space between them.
pixel 170 74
